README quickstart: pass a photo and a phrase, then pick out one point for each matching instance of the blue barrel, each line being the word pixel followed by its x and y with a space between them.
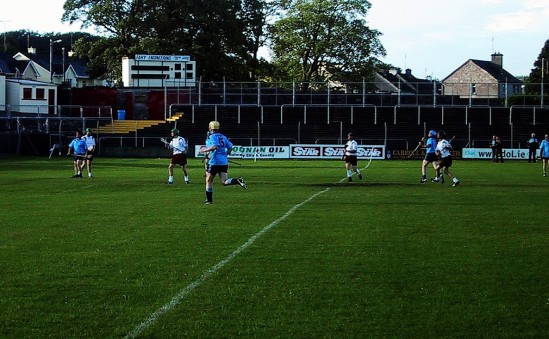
pixel 121 114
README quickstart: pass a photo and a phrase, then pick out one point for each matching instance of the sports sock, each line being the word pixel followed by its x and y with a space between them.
pixel 170 178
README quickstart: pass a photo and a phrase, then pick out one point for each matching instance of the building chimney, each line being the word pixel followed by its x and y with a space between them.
pixel 497 58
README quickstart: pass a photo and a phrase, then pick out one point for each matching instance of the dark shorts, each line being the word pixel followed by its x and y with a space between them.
pixel 79 157
pixel 431 157
pixel 351 159
pixel 179 159
pixel 446 162
pixel 216 169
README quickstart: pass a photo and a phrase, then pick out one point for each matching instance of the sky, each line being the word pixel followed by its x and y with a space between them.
pixel 435 37
pixel 431 37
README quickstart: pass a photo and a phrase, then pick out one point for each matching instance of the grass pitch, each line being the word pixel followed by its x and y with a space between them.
pixel 301 253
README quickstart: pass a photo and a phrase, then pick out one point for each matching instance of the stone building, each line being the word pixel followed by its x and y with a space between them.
pixel 482 79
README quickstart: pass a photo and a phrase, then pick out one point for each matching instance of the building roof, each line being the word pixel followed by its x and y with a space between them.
pixel 16 64
pixel 391 81
pixel 7 64
pixel 27 82
pixel 80 68
pixel 495 70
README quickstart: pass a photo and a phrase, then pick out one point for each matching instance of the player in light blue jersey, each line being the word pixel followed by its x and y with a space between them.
pixel 430 154
pixel 78 146
pixel 544 153
pixel 218 147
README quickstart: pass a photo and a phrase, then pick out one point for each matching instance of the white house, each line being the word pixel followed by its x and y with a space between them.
pixel 77 75
pixel 36 67
pixel 29 96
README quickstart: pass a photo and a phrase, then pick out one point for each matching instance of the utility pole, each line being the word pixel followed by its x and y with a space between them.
pixel 4 21
pixel 51 58
pixel 542 76
pixel 63 51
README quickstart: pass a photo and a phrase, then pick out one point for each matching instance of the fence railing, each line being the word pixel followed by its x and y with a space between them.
pixel 59 111
pixel 49 125
pixel 432 93
pixel 526 114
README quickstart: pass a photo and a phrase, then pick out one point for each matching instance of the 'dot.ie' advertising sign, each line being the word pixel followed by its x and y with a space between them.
pixel 298 151
pixel 486 153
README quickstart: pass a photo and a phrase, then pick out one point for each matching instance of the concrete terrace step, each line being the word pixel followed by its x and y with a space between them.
pixel 126 126
pixel 175 117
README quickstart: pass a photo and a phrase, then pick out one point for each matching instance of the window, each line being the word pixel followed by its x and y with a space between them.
pixel 27 93
pixel 177 75
pixel 140 99
pixel 189 67
pixel 177 67
pixel 150 68
pixel 40 93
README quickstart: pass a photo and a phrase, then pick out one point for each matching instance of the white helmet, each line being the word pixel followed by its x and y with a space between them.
pixel 213 125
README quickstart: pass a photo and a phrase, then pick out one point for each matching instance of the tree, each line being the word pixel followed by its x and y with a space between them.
pixel 540 73
pixel 21 40
pixel 325 40
pixel 222 36
pixel 254 17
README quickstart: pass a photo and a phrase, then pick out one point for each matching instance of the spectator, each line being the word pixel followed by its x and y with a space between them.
pixel 544 153
pixel 499 150
pixel 533 145
pixel 493 147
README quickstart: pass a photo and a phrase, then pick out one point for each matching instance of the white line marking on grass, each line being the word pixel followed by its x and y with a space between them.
pixel 153 318
pixel 71 190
